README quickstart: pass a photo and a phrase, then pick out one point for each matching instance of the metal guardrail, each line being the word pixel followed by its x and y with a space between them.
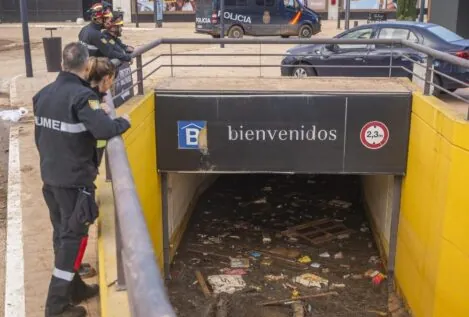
pixel 146 291
pixel 145 287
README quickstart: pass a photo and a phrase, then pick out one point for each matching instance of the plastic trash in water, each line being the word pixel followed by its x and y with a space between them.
pixel 226 283
pixel 13 115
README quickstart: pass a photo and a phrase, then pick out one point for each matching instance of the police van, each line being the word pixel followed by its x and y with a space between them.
pixel 258 18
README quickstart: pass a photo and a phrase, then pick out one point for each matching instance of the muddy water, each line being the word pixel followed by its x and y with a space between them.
pixel 235 215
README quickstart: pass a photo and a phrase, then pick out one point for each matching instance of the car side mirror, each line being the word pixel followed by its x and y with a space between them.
pixel 331 47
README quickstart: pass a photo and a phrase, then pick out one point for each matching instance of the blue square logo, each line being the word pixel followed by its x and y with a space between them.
pixel 188 134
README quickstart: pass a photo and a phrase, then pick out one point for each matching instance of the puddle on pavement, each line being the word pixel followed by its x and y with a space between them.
pixel 242 239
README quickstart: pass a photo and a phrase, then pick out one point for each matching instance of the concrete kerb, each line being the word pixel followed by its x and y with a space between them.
pixel 14 273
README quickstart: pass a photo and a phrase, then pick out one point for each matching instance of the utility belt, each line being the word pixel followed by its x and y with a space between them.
pixel 85 211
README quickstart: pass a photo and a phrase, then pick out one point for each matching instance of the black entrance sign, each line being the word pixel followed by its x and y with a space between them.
pixel 283 133
pixel 123 82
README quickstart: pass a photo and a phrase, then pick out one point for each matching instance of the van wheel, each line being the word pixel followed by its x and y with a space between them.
pixel 301 71
pixel 305 32
pixel 235 32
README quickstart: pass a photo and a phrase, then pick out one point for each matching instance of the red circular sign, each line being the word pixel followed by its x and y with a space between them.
pixel 374 135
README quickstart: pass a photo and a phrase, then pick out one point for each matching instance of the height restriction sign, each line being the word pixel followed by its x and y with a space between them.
pixel 374 135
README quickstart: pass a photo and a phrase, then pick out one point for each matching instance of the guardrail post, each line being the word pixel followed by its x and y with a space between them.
pixel 108 170
pixel 428 76
pixel 390 60
pixel 139 75
pixel 171 58
pixel 120 286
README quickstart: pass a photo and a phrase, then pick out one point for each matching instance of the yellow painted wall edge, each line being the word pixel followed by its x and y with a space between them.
pixel 140 144
pixel 432 264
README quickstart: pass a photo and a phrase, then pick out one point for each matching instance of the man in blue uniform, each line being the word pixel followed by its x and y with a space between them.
pixel 68 121
pixel 94 39
pixel 113 32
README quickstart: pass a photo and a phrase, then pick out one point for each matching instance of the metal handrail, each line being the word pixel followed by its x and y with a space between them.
pixel 146 292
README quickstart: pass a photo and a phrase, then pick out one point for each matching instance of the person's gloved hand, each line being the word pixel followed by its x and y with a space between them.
pixel 130 49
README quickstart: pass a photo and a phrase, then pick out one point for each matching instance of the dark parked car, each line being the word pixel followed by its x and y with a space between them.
pixel 378 57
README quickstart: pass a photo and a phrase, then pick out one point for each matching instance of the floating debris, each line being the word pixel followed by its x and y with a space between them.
pixel 229 271
pixel 315 265
pixel 325 255
pixel 310 280
pixel 304 259
pixel 266 239
pixel 374 259
pixel 226 283
pixel 256 254
pixel 241 263
pixel 335 286
pixel 340 203
pixel 287 253
pixel 338 256
pixel 272 277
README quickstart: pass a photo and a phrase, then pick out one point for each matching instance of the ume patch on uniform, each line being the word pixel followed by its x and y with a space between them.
pixel 94 104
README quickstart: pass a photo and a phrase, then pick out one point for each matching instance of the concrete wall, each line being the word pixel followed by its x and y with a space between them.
pixel 183 192
pixel 378 195
pixel 432 264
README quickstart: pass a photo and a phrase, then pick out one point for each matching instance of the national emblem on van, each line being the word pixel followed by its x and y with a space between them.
pixel 266 17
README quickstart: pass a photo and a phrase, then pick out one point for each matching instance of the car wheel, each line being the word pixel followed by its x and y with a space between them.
pixel 305 32
pixel 301 71
pixel 235 32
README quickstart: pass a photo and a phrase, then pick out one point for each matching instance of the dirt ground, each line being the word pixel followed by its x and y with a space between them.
pixel 230 221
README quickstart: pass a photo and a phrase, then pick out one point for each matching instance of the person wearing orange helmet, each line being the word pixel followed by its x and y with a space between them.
pixel 96 42
pixel 113 32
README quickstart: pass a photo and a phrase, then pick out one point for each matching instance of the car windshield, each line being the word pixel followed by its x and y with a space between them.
pixel 444 33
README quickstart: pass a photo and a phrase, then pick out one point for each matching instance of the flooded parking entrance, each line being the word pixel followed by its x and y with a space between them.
pixel 256 242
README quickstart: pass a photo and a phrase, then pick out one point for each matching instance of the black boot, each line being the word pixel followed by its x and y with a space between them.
pixel 69 311
pixel 89 291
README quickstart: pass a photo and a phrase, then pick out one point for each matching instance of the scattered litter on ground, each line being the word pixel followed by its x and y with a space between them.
pixel 376 276
pixel 343 236
pixel 310 280
pixel 305 259
pixel 285 301
pixel 13 115
pixel 194 261
pixel 271 277
pixel 340 203
pixel 338 256
pixel 228 271
pixel 271 269
pixel 336 285
pixel 241 263
pixel 266 262
pixel 287 253
pixel 255 254
pixel 203 285
pixel 374 259
pixel 325 255
pixel 318 231
pixel 226 283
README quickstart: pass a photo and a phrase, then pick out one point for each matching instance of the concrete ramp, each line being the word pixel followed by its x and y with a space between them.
pixel 280 125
